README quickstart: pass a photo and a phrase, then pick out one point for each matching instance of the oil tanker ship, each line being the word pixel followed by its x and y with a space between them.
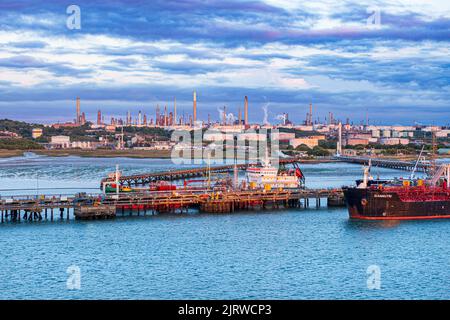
pixel 400 199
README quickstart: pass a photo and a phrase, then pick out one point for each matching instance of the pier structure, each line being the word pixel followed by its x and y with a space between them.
pixel 172 175
pixel 35 208
pixel 96 206
pixel 386 163
pixel 261 200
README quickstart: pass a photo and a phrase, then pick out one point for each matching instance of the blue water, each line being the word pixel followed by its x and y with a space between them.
pixel 290 254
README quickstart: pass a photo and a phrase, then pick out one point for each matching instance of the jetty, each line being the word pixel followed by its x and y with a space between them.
pixel 386 163
pixel 104 206
pixel 224 199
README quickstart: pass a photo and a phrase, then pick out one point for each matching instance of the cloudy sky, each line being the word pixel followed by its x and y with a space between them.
pixel 283 54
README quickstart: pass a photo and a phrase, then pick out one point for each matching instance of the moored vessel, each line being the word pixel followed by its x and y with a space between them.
pixel 269 177
pixel 400 199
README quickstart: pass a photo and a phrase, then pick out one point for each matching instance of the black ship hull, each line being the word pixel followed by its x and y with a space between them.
pixel 372 204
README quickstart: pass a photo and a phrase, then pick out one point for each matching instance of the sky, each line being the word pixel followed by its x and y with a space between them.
pixel 388 59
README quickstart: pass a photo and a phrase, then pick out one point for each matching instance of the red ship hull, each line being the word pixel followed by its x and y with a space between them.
pixel 398 203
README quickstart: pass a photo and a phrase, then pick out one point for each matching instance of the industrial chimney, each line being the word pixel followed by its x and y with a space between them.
pixel 339 143
pixel 175 111
pixel 78 120
pixel 194 118
pixel 239 117
pixel 246 111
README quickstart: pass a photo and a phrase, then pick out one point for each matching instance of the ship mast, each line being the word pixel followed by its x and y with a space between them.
pixel 433 150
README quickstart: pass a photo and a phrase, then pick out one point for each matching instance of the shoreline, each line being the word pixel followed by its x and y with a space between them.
pixel 148 154
pixel 133 154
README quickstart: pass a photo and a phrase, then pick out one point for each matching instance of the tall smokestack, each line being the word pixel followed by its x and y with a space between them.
pixel 194 118
pixel 224 115
pixel 158 116
pixel 175 110
pixel 78 120
pixel 310 114
pixel 246 110
pixel 128 118
pixel 165 116
pixel 367 117
pixel 339 143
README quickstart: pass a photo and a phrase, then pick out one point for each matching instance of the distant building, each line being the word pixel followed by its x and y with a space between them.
pixel 60 142
pixel 356 141
pixel 443 133
pixel 359 135
pixel 217 136
pixel 310 142
pixel 252 137
pixel 110 128
pixel 349 152
pixel 36 133
pixel 283 136
pixel 8 134
pixel 304 128
pixel 82 144
pixel 394 141
pixel 318 137
pixel 65 125
pixel 158 145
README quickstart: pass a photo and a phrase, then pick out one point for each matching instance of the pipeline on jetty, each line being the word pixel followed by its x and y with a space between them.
pixel 148 178
pixel 222 199
pixel 95 206
pixel 386 163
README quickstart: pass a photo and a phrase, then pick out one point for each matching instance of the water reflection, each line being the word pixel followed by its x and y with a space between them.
pixel 354 224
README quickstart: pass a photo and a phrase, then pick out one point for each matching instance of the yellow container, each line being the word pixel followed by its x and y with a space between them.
pixel 267 187
pixel 252 185
pixel 420 182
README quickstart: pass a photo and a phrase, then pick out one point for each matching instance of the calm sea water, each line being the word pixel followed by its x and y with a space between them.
pixel 290 254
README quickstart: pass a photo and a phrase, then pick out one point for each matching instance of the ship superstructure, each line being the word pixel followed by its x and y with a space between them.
pixel 268 177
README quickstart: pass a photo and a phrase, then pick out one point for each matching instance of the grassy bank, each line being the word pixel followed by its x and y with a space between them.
pixel 4 153
pixel 10 153
pixel 105 153
pixel 161 154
